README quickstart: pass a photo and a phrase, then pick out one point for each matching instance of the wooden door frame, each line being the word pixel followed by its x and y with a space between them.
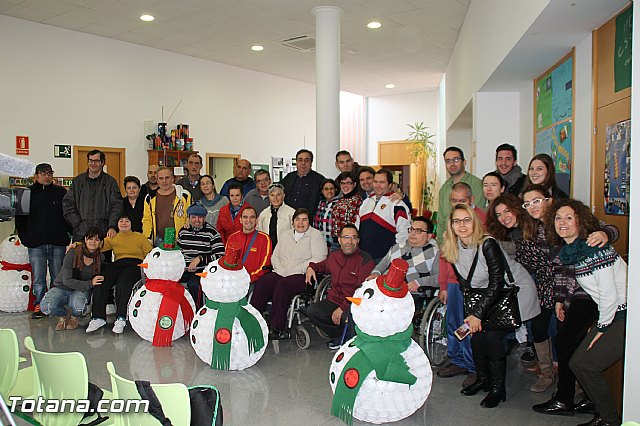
pixel 106 150
pixel 235 157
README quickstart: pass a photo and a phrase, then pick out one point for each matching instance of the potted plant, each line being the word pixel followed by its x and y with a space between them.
pixel 423 150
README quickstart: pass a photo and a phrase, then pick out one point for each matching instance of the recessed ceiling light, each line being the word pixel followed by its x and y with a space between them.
pixel 374 25
pixel 390 86
pixel 147 18
pixel 257 48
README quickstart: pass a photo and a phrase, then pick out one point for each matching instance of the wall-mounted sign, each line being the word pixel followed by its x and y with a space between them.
pixel 22 145
pixel 62 151
pixel 64 181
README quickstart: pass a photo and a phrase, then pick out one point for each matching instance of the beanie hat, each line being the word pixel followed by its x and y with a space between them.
pixel 196 210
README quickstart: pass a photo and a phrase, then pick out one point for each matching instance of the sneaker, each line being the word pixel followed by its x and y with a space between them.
pixel 119 325
pixel 95 324
pixel 62 324
pixel 110 309
pixel 528 357
pixel 334 345
pixel 72 323
pixel 37 313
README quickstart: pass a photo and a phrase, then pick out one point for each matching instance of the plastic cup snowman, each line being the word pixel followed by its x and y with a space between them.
pixel 227 333
pixel 161 310
pixel 381 375
pixel 15 276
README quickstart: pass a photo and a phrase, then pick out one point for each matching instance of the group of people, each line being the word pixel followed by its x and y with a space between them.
pixel 352 227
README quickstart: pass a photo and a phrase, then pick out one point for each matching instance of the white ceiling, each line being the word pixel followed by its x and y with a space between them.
pixel 411 50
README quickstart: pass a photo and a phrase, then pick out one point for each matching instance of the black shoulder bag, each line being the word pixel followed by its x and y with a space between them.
pixel 504 314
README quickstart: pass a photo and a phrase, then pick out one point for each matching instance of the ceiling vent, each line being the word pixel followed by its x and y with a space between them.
pixel 302 43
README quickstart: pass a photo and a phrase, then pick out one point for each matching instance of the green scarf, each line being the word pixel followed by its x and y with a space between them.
pixel 382 354
pixel 570 254
pixel 227 313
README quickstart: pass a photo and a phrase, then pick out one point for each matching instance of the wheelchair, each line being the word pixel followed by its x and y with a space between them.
pixel 430 325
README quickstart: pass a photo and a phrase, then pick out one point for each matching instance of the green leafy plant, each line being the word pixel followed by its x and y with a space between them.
pixel 423 149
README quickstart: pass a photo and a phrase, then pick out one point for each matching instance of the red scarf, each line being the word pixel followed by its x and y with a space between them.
pixel 172 298
pixel 6 266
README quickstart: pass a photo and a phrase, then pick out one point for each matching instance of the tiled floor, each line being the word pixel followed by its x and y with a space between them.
pixel 288 386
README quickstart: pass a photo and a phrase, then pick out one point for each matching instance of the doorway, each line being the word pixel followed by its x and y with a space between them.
pixel 114 162
pixel 221 167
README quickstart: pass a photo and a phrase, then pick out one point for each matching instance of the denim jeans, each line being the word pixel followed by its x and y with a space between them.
pixel 39 257
pixel 54 302
pixel 459 352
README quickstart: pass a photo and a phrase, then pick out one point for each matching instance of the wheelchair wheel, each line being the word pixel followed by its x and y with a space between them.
pixel 303 339
pixel 321 293
pixel 433 332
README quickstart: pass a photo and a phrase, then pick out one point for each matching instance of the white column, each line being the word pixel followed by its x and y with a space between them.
pixel 327 88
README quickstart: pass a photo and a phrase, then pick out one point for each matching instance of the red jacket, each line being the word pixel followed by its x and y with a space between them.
pixel 227 226
pixel 259 253
pixel 347 274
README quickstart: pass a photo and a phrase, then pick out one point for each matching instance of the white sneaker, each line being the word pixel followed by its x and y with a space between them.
pixel 95 324
pixel 110 309
pixel 119 325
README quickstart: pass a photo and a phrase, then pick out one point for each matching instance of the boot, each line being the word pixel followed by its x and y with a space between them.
pixel 497 390
pixel 482 381
pixel 545 378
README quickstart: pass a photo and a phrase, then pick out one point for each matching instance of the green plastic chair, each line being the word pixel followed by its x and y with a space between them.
pixel 174 398
pixel 60 376
pixel 14 381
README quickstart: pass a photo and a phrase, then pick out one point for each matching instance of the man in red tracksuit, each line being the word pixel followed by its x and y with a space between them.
pixel 349 267
pixel 255 246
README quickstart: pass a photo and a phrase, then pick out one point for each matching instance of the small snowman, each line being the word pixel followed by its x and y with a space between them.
pixel 15 276
pixel 381 375
pixel 161 310
pixel 227 333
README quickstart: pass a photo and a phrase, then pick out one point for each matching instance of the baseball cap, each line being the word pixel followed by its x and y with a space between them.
pixel 196 210
pixel 44 167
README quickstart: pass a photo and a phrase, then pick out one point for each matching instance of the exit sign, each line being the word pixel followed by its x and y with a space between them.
pixel 22 145
pixel 62 151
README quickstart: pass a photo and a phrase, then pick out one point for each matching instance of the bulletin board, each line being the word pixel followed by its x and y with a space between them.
pixel 553 104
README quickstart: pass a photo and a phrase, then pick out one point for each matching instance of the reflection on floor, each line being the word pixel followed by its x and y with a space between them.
pixel 288 386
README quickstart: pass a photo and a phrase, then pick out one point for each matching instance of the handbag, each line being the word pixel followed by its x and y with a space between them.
pixel 504 314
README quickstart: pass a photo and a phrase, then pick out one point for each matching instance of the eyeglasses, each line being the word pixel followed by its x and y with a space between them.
pixel 263 180
pixel 418 230
pixel 459 201
pixel 95 161
pixel 46 173
pixel 458 222
pixel 350 237
pixel 535 202
pixel 453 160
pixel 344 182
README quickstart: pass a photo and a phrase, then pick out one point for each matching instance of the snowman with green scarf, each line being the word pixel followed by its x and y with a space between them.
pixel 228 333
pixel 381 375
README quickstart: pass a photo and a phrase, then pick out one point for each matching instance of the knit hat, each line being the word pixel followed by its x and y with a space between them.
pixel 231 260
pixel 196 210
pixel 393 284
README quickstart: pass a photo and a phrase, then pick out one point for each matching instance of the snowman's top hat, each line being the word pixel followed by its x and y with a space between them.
pixel 232 259
pixel 169 242
pixel 393 284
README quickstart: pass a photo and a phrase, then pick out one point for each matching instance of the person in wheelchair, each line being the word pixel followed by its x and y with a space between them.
pixel 419 251
pixel 349 267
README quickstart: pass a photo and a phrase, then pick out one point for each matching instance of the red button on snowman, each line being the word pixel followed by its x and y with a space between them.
pixel 381 375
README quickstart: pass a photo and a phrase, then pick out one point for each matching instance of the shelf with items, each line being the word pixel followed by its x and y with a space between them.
pixel 169 158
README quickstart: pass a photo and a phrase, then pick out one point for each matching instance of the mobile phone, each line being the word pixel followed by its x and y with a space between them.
pixel 462 331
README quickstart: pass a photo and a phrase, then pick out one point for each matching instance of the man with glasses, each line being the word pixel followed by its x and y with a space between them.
pixel 455 165
pixel 302 187
pixel 258 197
pixel 349 268
pixel 241 176
pixel 44 232
pixel 94 199
pixel 191 181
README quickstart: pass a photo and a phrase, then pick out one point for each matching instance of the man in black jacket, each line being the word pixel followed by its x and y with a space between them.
pixel 302 187
pixel 44 231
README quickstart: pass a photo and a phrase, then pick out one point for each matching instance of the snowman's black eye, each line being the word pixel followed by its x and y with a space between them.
pixel 213 269
pixel 368 293
pixel 156 254
pixel 12 239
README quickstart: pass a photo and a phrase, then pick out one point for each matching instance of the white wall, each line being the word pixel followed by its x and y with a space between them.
pixel 583 121
pixel 65 87
pixel 388 117
pixel 491 29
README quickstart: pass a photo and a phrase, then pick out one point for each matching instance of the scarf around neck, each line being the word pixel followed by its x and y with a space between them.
pixel 513 175
pixel 577 251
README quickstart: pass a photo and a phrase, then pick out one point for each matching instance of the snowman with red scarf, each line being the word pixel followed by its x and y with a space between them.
pixel 381 375
pixel 162 309
pixel 15 276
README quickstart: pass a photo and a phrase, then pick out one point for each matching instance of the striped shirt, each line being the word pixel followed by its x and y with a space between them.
pixel 205 242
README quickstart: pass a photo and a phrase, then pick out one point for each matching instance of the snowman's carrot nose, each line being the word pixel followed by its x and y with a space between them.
pixel 143 265
pixel 202 274
pixel 356 300
pixel 17 242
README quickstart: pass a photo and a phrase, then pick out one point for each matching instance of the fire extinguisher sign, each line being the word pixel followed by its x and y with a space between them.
pixel 22 145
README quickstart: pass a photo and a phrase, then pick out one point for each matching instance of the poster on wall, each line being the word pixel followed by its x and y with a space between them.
pixel 554 95
pixel 622 53
pixel 557 141
pixel 616 169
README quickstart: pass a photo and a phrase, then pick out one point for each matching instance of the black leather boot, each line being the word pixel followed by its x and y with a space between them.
pixel 497 390
pixel 482 381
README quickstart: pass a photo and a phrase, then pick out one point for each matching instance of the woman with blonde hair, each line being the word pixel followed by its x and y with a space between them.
pixel 479 263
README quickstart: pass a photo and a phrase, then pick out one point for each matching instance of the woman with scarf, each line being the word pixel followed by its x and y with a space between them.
pixel 211 200
pixel 229 217
pixel 602 274
pixel 80 273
